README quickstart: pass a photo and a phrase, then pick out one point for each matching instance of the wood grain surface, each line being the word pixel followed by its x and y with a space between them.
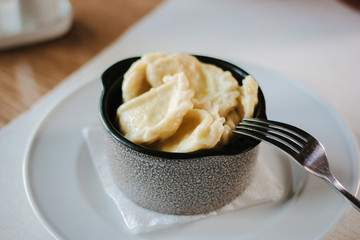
pixel 29 72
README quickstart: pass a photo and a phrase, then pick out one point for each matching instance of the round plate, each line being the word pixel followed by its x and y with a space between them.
pixel 66 194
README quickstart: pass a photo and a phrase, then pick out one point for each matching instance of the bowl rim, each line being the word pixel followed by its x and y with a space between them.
pixel 113 76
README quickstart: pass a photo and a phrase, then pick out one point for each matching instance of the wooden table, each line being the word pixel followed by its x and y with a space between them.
pixel 28 73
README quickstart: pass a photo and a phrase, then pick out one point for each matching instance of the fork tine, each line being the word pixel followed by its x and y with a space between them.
pixel 272 138
pixel 275 127
pixel 294 131
pixel 289 138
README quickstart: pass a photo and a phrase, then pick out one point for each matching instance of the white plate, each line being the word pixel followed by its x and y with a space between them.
pixel 66 194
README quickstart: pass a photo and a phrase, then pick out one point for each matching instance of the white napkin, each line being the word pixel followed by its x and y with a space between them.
pixel 263 189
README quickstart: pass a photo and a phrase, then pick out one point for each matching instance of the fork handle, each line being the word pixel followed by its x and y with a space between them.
pixel 343 192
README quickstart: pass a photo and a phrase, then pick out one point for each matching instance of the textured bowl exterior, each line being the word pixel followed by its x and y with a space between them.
pixel 179 186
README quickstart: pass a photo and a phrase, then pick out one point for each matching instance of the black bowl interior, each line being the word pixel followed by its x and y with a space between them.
pixel 111 99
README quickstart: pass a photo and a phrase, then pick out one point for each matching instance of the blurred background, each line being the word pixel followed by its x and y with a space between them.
pixel 32 64
pixel 30 71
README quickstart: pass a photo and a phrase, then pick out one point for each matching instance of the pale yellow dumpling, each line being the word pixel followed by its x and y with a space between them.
pixel 158 113
pixel 135 80
pixel 198 130
pixel 173 64
pixel 249 92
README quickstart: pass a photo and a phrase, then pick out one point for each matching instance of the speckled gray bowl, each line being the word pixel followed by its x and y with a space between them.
pixel 176 183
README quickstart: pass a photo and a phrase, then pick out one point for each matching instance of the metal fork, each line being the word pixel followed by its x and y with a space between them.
pixel 303 147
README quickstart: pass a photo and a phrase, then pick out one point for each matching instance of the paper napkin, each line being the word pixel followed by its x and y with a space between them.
pixel 264 188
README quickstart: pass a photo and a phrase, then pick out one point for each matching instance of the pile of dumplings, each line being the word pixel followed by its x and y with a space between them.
pixel 175 103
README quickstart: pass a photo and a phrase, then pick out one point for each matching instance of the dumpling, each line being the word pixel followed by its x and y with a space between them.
pixel 158 113
pixel 198 130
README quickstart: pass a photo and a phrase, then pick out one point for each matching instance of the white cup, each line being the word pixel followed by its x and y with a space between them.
pixel 10 17
pixel 42 12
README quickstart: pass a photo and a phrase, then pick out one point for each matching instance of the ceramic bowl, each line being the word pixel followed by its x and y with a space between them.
pixel 176 183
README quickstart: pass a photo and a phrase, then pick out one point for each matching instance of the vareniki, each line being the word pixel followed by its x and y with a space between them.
pixel 175 103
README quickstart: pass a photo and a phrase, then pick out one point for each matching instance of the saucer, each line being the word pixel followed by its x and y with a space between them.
pixel 69 200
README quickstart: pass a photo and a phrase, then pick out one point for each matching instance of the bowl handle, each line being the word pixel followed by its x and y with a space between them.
pixel 116 71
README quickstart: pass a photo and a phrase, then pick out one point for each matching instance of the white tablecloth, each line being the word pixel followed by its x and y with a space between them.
pixel 313 42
